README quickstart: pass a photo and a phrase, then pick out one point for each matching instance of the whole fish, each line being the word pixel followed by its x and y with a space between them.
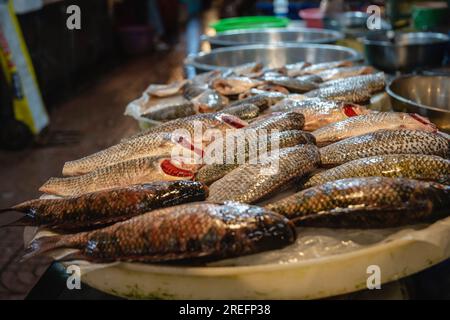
pixel 212 172
pixel 413 166
pixel 170 108
pixel 372 82
pixel 220 121
pixel 252 182
pixel 384 142
pixel 367 123
pixel 243 111
pixel 204 231
pixel 234 85
pixel 122 174
pixel 358 89
pixel 319 67
pixel 105 207
pixel 262 100
pixel 152 144
pixel 283 121
pixel 293 84
pixel 319 112
pixel 345 72
pixel 165 90
pixel 372 202
pixel 349 94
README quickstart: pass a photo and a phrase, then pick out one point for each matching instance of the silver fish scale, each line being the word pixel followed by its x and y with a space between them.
pixel 414 166
pixel 385 142
pixel 247 183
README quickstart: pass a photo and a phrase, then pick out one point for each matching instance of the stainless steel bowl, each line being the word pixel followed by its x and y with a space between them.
pixel 406 52
pixel 275 55
pixel 426 95
pixel 272 36
pixel 354 24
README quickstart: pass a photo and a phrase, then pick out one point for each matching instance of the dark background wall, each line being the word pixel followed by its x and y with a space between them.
pixel 66 60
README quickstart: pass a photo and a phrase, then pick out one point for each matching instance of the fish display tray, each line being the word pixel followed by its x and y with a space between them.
pixel 322 263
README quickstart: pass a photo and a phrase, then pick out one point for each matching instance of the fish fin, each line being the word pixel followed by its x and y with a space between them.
pixel 42 245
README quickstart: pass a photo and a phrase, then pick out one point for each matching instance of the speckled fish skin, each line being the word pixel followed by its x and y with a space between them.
pixel 248 184
pixel 371 202
pixel 170 111
pixel 293 84
pixel 204 231
pixel 344 72
pixel 372 82
pixel 367 123
pixel 352 93
pixel 263 100
pixel 213 172
pixel 146 145
pixel 319 67
pixel 243 111
pixel 109 206
pixel 383 142
pixel 284 121
pixel 358 89
pixel 220 121
pixel 136 171
pixel 234 85
pixel 319 112
pixel 413 166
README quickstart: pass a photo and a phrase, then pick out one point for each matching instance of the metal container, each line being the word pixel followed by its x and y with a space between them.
pixel 272 36
pixel 406 51
pixel 274 55
pixel 426 95
pixel 354 24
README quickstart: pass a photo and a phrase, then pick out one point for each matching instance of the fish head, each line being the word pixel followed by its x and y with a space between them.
pixel 353 110
pixel 415 121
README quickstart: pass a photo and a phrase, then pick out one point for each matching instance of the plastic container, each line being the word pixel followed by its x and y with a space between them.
pixel 313 17
pixel 252 22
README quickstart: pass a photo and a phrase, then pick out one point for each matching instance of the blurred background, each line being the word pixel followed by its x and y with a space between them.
pixel 63 92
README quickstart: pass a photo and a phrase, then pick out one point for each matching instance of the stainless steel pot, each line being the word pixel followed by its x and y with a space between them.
pixel 273 36
pixel 406 52
pixel 274 55
pixel 426 95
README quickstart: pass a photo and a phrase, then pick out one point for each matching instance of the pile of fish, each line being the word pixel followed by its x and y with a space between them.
pixel 352 168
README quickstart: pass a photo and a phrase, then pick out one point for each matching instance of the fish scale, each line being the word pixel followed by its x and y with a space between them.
pixel 109 206
pixel 136 171
pixel 197 230
pixel 212 172
pixel 362 124
pixel 414 166
pixel 370 202
pixel 248 183
pixel 384 142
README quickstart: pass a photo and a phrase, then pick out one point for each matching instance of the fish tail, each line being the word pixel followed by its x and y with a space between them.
pixel 43 245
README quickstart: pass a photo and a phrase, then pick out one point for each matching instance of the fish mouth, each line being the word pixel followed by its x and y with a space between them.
pixel 350 110
pixel 175 168
pixel 423 121
pixel 232 121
